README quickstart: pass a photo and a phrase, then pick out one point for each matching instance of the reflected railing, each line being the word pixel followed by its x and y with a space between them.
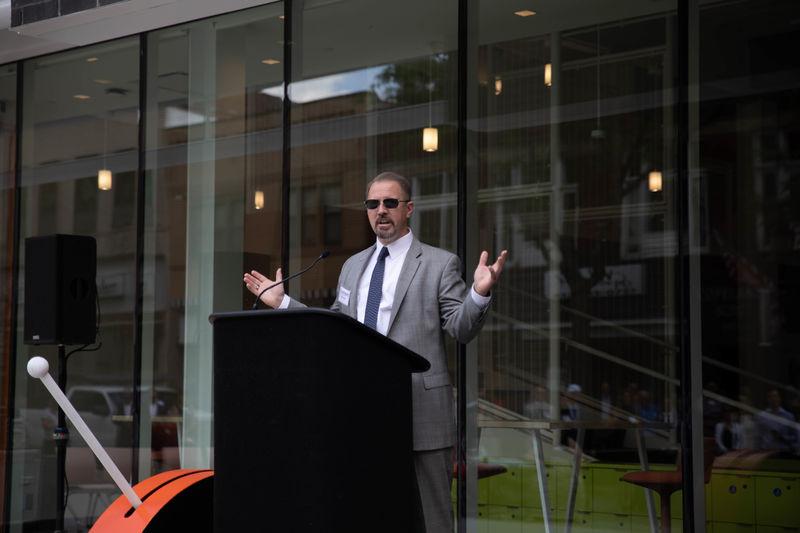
pixel 544 332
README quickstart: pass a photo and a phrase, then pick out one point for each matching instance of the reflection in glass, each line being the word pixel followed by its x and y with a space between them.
pixel 212 211
pixel 361 96
pixel 577 365
pixel 63 147
pixel 749 223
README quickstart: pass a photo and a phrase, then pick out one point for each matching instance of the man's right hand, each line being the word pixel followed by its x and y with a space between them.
pixel 256 282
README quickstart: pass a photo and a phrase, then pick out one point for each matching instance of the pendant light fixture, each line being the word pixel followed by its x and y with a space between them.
pixel 430 135
pixel 258 199
pixel 655 180
pixel 105 179
pixel 548 74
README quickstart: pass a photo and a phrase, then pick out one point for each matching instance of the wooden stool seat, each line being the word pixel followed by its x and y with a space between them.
pixel 661 482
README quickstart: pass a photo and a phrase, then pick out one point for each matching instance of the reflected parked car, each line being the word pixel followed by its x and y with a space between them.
pixel 106 410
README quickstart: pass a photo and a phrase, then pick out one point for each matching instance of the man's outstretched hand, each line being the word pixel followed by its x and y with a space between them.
pixel 487 275
pixel 256 282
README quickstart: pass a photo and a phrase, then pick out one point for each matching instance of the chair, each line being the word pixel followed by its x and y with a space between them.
pixel 665 483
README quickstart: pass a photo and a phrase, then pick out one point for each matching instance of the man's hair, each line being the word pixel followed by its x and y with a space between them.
pixel 404 183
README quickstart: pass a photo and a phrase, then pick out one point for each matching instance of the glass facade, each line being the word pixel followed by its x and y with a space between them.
pixel 639 160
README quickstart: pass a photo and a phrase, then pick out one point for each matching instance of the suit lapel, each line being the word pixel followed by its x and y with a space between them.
pixel 354 277
pixel 410 267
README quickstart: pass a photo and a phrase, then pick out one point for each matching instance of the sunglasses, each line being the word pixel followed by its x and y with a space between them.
pixel 388 203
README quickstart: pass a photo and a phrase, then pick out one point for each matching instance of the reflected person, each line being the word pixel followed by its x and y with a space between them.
pixel 777 426
pixel 414 294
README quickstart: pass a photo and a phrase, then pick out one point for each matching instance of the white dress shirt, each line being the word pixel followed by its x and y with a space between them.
pixel 391 274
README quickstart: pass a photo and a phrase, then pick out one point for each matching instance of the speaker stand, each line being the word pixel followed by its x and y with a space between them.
pixel 61 437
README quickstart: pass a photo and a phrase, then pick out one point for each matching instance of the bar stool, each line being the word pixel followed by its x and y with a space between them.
pixel 665 483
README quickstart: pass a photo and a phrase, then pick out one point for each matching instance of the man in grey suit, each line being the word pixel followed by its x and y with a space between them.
pixel 412 293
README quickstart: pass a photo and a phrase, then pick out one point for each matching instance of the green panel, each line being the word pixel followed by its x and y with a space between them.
pixel 727 527
pixel 502 519
pixel 609 522
pixel 734 500
pixel 483 490
pixel 777 501
pixel 562 487
pixel 583 496
pixel 640 524
pixel 532 520
pixel 709 495
pixel 483 519
pixel 776 529
pixel 610 494
pixel 639 504
pixel 506 489
pixel 530 487
pixel 582 522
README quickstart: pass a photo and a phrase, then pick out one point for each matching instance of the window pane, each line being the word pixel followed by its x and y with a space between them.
pixel 748 196
pixel 572 124
pixel 213 146
pixel 80 118
pixel 363 90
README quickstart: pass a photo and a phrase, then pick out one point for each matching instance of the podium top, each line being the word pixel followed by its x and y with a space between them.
pixel 417 362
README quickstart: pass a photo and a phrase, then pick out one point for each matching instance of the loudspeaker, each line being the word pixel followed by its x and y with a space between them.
pixel 60 289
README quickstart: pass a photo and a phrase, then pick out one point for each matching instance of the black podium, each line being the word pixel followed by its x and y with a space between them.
pixel 312 424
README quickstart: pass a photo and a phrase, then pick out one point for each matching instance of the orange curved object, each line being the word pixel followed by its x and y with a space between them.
pixel 177 500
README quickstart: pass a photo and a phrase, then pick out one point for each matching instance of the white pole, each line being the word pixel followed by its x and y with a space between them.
pixel 39 369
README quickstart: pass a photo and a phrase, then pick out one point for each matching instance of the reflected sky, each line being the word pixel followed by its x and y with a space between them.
pixel 341 84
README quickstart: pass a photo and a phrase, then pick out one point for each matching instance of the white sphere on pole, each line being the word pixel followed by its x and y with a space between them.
pixel 38 367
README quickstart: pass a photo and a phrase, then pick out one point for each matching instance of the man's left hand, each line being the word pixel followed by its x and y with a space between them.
pixel 487 275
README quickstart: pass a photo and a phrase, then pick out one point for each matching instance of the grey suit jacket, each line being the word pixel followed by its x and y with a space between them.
pixel 430 299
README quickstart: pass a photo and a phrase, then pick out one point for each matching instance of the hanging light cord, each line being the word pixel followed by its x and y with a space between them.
pixel 430 90
pixel 105 140
pixel 598 76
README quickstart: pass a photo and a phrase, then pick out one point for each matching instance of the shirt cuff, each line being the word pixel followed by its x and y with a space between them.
pixel 285 302
pixel 482 301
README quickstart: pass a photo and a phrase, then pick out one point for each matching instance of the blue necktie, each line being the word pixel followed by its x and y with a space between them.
pixel 375 291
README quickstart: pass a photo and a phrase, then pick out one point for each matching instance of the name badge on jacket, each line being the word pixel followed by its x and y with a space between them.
pixel 344 296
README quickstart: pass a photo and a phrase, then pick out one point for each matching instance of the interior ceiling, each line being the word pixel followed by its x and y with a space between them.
pixel 342 35
pixel 338 34
pixel 335 36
